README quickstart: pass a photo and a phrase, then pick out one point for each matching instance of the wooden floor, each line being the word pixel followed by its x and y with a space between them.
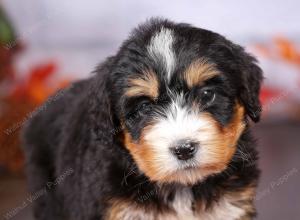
pixel 278 196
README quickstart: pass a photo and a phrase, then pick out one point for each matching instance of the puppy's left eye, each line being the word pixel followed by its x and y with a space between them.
pixel 207 96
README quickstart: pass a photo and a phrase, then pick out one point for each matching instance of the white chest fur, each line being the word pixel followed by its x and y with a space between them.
pixel 224 209
pixel 182 204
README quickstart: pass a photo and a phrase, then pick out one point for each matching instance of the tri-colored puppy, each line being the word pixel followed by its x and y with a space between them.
pixel 160 131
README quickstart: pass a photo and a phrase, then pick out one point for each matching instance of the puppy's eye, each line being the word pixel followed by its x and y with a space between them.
pixel 137 105
pixel 144 105
pixel 207 96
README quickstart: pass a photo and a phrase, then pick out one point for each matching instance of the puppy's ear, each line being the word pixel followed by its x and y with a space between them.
pixel 249 92
pixel 101 114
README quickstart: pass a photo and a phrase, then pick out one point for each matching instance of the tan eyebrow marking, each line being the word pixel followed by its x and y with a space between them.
pixel 147 85
pixel 199 71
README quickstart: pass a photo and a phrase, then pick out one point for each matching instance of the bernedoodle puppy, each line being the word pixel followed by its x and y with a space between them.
pixel 159 131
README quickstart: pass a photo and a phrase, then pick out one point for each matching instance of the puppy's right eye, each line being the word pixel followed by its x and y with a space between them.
pixel 138 105
pixel 144 105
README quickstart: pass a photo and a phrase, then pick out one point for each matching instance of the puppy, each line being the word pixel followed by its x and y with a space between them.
pixel 159 131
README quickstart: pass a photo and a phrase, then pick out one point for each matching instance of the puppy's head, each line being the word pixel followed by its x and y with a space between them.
pixel 182 96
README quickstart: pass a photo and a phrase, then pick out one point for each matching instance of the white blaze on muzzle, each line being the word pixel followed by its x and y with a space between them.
pixel 180 122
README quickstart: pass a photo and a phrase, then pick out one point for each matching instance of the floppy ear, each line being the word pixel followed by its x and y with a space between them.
pixel 249 93
pixel 101 114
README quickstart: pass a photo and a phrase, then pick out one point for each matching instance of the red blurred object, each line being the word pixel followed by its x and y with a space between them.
pixel 267 94
pixel 17 107
pixel 36 87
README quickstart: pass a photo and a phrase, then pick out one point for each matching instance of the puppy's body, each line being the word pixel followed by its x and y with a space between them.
pixel 119 132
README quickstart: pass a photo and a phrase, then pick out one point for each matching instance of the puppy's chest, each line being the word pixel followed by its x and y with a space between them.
pixel 182 207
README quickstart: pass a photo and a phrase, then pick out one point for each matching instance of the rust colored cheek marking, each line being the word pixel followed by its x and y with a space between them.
pixel 236 127
pixel 233 131
pixel 225 139
pixel 142 154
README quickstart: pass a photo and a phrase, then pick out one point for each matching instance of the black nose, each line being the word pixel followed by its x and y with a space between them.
pixel 185 150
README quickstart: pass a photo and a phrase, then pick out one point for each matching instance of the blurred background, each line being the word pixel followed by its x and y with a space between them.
pixel 47 44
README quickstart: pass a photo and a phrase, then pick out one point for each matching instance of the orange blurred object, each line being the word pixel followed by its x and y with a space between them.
pixel 36 88
pixel 288 50
pixel 17 107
